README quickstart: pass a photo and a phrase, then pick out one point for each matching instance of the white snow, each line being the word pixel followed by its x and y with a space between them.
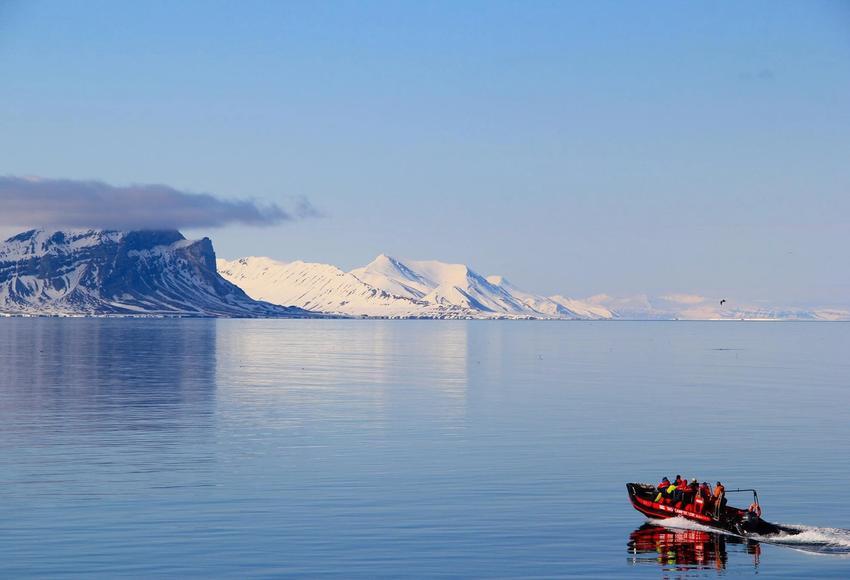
pixel 394 276
pixel 395 288
pixel 325 288
pixel 390 287
pixel 41 242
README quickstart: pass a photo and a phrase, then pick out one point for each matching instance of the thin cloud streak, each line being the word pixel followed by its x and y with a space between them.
pixel 27 201
pixel 304 209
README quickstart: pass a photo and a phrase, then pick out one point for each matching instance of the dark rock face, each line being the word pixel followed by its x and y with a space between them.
pixel 99 272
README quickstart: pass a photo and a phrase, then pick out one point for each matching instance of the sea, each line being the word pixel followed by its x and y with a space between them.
pixel 177 448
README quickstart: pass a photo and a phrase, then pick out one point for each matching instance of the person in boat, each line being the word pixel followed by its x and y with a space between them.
pixel 693 492
pixel 662 489
pixel 666 491
pixel 701 497
pixel 670 496
pixel 719 499
pixel 675 493
pixel 681 490
pixel 755 509
pixel 705 493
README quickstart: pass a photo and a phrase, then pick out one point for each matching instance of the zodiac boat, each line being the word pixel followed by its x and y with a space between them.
pixel 737 521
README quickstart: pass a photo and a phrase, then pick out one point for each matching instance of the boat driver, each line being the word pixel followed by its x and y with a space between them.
pixel 719 499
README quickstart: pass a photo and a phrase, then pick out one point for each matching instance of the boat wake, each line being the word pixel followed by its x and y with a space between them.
pixel 812 539
pixel 809 538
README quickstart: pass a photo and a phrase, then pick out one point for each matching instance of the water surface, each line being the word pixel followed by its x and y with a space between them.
pixel 332 448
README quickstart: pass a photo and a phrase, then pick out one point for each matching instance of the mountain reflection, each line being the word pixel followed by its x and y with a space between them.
pixel 682 550
pixel 90 375
pixel 287 373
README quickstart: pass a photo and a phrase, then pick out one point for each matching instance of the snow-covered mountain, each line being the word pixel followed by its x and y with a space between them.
pixel 160 273
pixel 389 287
pixel 392 288
pixel 553 306
pixel 326 288
pixel 100 272
pixel 440 283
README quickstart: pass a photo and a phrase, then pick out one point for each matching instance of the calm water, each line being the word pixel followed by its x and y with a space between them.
pixel 418 449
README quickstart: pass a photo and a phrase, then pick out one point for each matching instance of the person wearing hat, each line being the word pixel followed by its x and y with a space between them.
pixel 662 489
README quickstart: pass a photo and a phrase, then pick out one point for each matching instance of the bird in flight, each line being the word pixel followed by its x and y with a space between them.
pixel 722 302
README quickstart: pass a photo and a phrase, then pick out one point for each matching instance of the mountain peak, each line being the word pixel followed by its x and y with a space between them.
pixel 384 260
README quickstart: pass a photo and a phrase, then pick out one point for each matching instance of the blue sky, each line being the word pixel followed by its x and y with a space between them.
pixel 575 147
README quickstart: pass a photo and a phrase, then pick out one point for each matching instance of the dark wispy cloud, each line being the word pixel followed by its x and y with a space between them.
pixel 27 201
pixel 304 209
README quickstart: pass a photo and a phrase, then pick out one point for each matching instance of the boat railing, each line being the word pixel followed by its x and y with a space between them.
pixel 755 493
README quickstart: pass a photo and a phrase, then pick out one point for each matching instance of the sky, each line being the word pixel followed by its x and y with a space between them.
pixel 574 147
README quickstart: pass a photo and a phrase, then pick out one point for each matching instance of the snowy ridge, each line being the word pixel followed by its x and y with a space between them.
pixel 392 288
pixel 554 306
pixel 326 288
pixel 140 273
pixel 458 284
pixel 440 283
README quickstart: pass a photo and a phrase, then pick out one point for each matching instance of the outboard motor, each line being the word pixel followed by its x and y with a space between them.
pixel 750 523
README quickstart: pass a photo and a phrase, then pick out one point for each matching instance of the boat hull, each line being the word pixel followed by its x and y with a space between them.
pixel 656 510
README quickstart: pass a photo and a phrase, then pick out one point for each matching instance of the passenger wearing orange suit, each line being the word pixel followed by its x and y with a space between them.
pixel 719 499
pixel 680 495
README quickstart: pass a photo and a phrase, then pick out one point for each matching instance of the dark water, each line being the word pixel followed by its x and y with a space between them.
pixel 412 449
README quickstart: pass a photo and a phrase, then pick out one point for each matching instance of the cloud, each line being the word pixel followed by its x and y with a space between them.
pixel 304 209
pixel 69 203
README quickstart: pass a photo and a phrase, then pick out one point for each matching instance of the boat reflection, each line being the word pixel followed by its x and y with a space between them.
pixel 679 549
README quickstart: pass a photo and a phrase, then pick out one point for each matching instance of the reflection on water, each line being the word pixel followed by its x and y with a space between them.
pixel 682 550
pixel 339 370
pixel 121 375
pixel 88 406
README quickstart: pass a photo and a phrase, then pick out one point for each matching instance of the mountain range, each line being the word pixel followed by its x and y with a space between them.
pixel 161 273
pixel 393 288
pixel 103 272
